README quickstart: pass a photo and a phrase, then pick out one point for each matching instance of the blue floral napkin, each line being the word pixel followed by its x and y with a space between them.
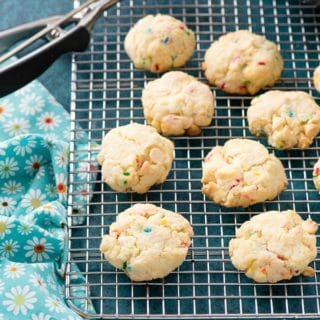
pixel 34 130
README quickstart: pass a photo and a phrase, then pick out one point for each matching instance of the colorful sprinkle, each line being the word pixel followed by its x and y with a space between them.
pixel 181 27
pixel 129 268
pixel 166 40
pixel 290 114
pixel 147 230
pixel 264 270
pixel 124 266
pixel 263 132
pixel 251 235
pixel 316 172
pixel 237 181
pixel 156 66
pixel 188 32
pixel 261 63
pixel 126 173
pixel 125 182
pixel 256 173
pixel 222 86
pixel 163 220
pixel 236 58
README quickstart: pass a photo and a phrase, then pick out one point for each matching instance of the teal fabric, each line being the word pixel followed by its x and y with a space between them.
pixel 34 133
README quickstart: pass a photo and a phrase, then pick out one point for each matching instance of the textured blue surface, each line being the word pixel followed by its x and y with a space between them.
pixel 14 12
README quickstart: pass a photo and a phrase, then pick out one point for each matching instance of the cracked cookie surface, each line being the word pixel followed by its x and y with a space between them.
pixel 134 157
pixel 242 62
pixel 242 173
pixel 159 43
pixel 147 242
pixel 178 104
pixel 289 118
pixel 274 246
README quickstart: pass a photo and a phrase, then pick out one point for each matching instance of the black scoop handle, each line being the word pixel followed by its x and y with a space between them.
pixel 28 68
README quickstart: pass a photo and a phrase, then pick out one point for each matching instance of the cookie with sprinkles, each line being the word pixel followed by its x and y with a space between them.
pixel 290 119
pixel 242 62
pixel 135 157
pixel 274 246
pixel 159 43
pixel 147 242
pixel 178 104
pixel 242 173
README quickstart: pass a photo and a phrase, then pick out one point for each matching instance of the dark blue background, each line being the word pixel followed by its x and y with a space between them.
pixel 15 12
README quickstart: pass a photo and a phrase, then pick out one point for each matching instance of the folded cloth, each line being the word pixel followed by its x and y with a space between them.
pixel 34 130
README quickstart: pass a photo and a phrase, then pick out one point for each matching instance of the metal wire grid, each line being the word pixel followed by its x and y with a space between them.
pixel 106 91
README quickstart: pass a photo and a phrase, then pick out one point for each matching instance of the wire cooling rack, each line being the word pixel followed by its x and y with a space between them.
pixel 106 91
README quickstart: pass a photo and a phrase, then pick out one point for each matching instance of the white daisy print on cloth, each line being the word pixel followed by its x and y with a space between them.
pixel 61 236
pixel 8 167
pixel 61 185
pixel 48 121
pixel 28 89
pixel 54 304
pixel 49 140
pixel 14 270
pixel 40 316
pixel 51 190
pixel 7 205
pixel 35 166
pixel 78 214
pixel 53 102
pixel 19 300
pixel 16 127
pixel 62 159
pixel 11 187
pixel 8 248
pixel 31 104
pixel 38 249
pixel 82 193
pixel 23 145
pixel 25 228
pixel 38 282
pixel 84 169
pixel 6 108
pixel 41 266
pixel 6 223
pixel 48 208
pixel 33 200
pixel 52 283
pixel 1 286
